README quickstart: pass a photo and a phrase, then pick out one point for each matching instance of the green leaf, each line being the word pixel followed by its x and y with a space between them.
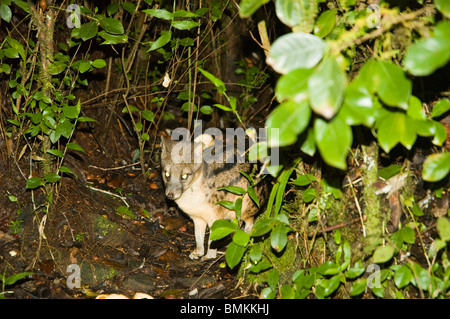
pixel 233 189
pixel 218 83
pixel 421 276
pixel 112 25
pixel 17 46
pixel 65 128
pixel 261 266
pixel 443 6
pixel 293 85
pixel 326 87
pixel 10 280
pixel 356 271
pixel 222 228
pixel 304 180
pixel 75 147
pixel 329 268
pixel 252 194
pixel 84 66
pixel 148 115
pixel 52 177
pixel 287 292
pixel 233 254
pixel 241 238
pixel 112 8
pixel 56 152
pixel 206 109
pixel 358 287
pixel 273 278
pixel 65 169
pixel 248 7
pixel 227 204
pixel 436 167
pixel 295 50
pixel 165 38
pixel 441 107
pixel 309 195
pixel 129 7
pixel 125 211
pixel 297 14
pixel 288 120
pixel 255 253
pixel 443 227
pixel 408 235
pixel 88 30
pixel 333 139
pixel 98 63
pixel 358 107
pixel 34 182
pixel 5 12
pixel 278 237
pixel 86 119
pixel 396 127
pixel 185 14
pixel 330 285
pixel 325 23
pixel 185 24
pixel 427 55
pixel 393 87
pixel 159 13
pixel 113 39
pixel 388 172
pixel 383 254
pixel 11 53
pixel 262 227
pixel 70 112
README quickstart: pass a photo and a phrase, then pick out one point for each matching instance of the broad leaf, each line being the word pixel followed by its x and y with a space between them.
pixel 296 50
pixel 436 167
pixel 326 87
pixel 287 121
pixel 333 139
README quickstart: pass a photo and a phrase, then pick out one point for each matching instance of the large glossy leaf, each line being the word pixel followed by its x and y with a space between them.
pixel 325 23
pixel 88 30
pixel 436 167
pixel 112 25
pixel 333 139
pixel 296 50
pixel 293 85
pixel 234 254
pixel 393 87
pixel 395 128
pixel 297 14
pixel 326 87
pixel 443 6
pixel 289 119
pixel 427 55
pixel 248 7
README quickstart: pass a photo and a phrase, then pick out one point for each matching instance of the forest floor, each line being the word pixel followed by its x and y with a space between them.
pixel 114 252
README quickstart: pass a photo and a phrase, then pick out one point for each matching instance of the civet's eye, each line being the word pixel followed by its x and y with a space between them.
pixel 184 176
pixel 167 174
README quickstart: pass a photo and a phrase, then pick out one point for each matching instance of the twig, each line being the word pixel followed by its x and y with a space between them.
pixel 114 168
pixel 331 228
pixel 357 206
pixel 108 193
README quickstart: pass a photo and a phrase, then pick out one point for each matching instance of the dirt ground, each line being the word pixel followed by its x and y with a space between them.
pixel 113 251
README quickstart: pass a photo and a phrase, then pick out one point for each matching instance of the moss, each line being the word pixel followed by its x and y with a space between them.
pixel 372 210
